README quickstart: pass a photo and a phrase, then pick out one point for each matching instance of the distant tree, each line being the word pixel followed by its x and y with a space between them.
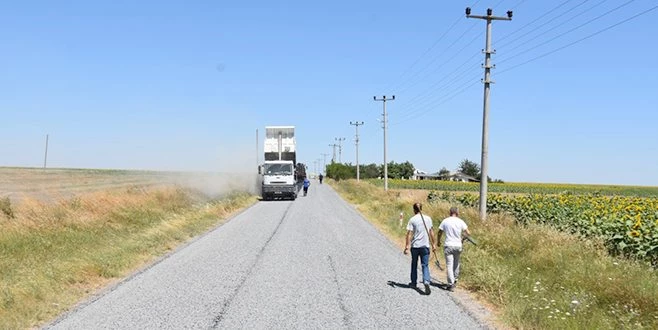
pixel 370 171
pixel 339 172
pixel 407 169
pixel 400 170
pixel 444 173
pixel 394 170
pixel 469 168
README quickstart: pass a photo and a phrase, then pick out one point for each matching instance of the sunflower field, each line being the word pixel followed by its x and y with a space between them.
pixel 627 224
pixel 522 188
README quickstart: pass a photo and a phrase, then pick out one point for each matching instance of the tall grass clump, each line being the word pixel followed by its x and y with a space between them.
pixel 536 276
pixel 54 254
pixel 5 207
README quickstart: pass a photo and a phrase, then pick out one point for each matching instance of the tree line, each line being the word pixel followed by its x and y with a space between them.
pixel 338 171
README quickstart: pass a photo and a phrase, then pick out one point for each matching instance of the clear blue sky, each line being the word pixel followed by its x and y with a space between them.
pixel 183 85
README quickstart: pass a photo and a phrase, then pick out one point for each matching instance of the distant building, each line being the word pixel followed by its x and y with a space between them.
pixel 459 176
pixel 452 176
pixel 422 175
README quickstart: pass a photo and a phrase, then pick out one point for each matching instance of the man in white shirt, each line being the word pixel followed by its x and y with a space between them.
pixel 453 226
pixel 420 227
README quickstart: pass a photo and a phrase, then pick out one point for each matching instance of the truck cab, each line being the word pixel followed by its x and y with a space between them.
pixel 279 179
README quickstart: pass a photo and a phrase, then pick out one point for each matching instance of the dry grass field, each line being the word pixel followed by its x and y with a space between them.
pixel 49 185
pixel 57 184
pixel 65 233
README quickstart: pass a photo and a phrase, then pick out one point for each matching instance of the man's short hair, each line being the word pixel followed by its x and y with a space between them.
pixel 454 210
pixel 418 207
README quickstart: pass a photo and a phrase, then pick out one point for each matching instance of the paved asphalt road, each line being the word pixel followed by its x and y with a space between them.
pixel 309 263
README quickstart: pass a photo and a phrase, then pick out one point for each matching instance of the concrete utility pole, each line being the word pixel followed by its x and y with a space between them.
pixel 340 149
pixel 485 112
pixel 45 157
pixel 333 158
pixel 356 141
pixel 385 126
pixel 324 162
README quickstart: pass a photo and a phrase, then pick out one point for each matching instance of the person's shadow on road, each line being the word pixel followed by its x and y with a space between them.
pixel 440 285
pixel 394 284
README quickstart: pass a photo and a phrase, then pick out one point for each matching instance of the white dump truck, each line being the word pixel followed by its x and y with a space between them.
pixel 279 171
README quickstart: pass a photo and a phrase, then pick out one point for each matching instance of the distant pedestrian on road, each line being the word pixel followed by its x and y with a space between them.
pixel 419 236
pixel 321 177
pixel 454 227
pixel 307 183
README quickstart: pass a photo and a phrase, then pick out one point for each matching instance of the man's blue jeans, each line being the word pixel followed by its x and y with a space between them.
pixel 424 254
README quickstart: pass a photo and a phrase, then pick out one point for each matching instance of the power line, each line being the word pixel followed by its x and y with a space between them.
pixel 447 61
pixel 557 25
pixel 406 71
pixel 498 4
pixel 437 57
pixel 567 32
pixel 517 4
pixel 427 91
pixel 428 102
pixel 418 97
pixel 580 40
pixel 549 21
pixel 436 42
pixel 465 86
pixel 423 95
pixel 445 98
pixel 535 20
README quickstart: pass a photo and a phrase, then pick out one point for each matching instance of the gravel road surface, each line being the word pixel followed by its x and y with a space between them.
pixel 309 263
